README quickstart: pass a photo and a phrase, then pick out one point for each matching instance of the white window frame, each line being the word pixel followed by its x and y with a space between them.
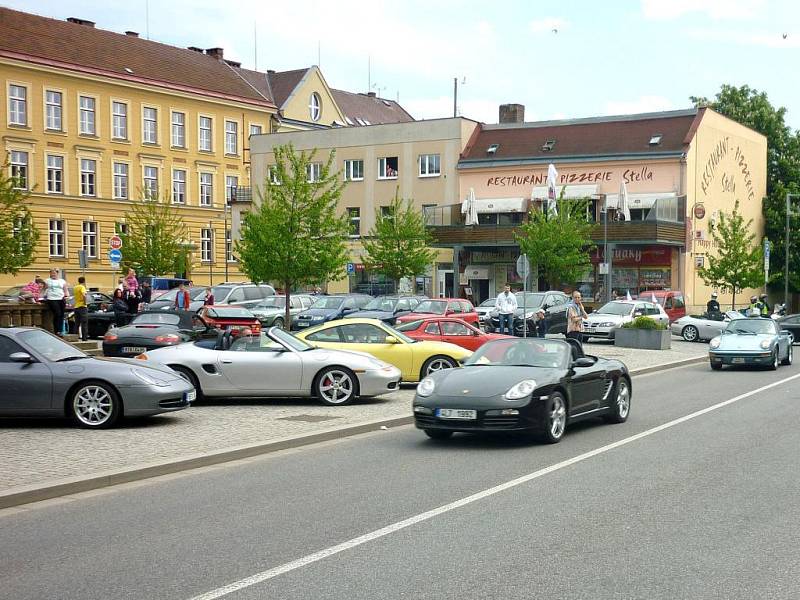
pixel 315 107
pixel 121 181
pixel 383 167
pixel 89 237
pixel 430 165
pixel 230 190
pixel 206 245
pixel 349 170
pixel 54 174
pixel 53 111
pixel 119 120
pixel 57 238
pixel 19 168
pixel 88 178
pixel 206 189
pixel 87 115
pixel 354 219
pixel 150 182
pixel 121 228
pixel 201 145
pixel 258 127
pixel 179 187
pixel 231 138
pixel 313 172
pixel 273 174
pixel 150 126
pixel 229 257
pixel 178 129
pixel 18 105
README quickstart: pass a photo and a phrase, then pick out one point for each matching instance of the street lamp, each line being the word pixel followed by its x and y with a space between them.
pixel 786 249
pixel 211 253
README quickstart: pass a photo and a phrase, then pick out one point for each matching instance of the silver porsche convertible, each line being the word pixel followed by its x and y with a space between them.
pixel 276 363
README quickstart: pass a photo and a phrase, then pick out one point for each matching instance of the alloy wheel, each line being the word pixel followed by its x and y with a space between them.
pixel 623 399
pixel 336 387
pixel 93 405
pixel 690 333
pixel 557 417
pixel 438 364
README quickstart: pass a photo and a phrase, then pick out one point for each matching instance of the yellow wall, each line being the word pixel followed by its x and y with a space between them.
pixel 297 104
pixel 74 209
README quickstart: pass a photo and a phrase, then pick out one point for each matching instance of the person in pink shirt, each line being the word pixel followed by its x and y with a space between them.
pixel 131 285
pixel 33 291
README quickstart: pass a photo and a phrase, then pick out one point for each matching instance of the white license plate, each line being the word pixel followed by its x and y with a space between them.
pixel 301 324
pixel 737 361
pixel 457 413
pixel 134 349
pixel 190 396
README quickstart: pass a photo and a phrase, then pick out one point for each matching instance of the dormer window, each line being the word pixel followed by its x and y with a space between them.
pixel 492 148
pixel 548 145
pixel 655 139
pixel 315 107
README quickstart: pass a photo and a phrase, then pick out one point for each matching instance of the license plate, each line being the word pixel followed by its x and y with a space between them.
pixel 134 349
pixel 301 324
pixel 456 413
pixel 190 396
pixel 737 361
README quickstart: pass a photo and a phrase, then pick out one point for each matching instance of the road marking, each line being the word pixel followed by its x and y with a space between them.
pixel 425 516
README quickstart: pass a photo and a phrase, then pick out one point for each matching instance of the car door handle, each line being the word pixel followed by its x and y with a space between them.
pixel 227 361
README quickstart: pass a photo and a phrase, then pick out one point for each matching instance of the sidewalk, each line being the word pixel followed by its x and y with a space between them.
pixel 40 452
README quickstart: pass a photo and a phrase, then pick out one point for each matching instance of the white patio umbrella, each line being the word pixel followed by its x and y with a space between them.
pixel 470 208
pixel 653 296
pixel 552 190
pixel 628 296
pixel 623 201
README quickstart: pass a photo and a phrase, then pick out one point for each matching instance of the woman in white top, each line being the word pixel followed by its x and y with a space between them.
pixel 55 293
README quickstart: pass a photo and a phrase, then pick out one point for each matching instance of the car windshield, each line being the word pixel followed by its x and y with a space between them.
pixel 410 326
pixel 52 348
pixel 615 308
pixel 402 336
pixel 433 307
pixel 529 299
pixel 273 302
pixel 384 303
pixel 156 319
pixel 329 302
pixel 747 326
pixel 194 294
pixel 220 292
pixel 229 312
pixel 290 340
pixel 531 352
pixel 488 303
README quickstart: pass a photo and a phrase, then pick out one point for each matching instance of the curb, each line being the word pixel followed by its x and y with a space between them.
pixel 19 495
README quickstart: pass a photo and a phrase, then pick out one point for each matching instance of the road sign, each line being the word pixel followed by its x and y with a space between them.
pixel 351 267
pixel 115 256
pixel 523 266
pixel 115 242
pixel 115 266
pixel 767 247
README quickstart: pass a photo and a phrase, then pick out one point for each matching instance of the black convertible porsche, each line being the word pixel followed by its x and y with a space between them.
pixel 154 329
pixel 528 385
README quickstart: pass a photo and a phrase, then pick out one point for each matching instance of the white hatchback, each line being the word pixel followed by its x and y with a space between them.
pixel 604 322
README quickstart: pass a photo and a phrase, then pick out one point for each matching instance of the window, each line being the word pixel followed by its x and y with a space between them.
pixel 231 137
pixel 19 169
pixel 455 328
pixel 55 174
pixel 88 177
pixel 432 329
pixel 229 246
pixel 149 125
pixel 387 212
pixel 86 116
pixel 205 138
pixel 315 107
pixel 121 181
pixel 119 128
pixel 7 348
pixel 354 170
pixel 231 185
pixel 314 171
pixel 121 228
pixel 363 333
pixel 326 335
pixel 90 239
pixel 17 105
pixel 53 110
pixel 206 244
pixel 178 186
pixel 206 189
pixel 273 175
pixel 255 129
pixel 354 214
pixel 150 182
pixel 454 307
pixel 56 234
pixel 387 167
pixel 429 165
pixel 179 130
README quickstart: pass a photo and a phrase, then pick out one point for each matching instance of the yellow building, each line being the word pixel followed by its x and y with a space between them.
pixel 93 118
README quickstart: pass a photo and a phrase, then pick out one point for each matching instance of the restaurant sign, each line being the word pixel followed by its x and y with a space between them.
pixel 657 256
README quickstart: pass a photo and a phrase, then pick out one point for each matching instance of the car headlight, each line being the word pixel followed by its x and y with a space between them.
pixel 765 344
pixel 522 389
pixel 148 378
pixel 426 387
pixel 714 343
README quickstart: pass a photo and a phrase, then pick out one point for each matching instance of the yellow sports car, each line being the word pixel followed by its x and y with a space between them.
pixel 415 359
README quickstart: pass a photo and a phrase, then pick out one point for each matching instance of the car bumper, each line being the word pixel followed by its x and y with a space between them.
pixel 741 358
pixel 151 400
pixel 677 328
pixel 531 417
pixel 116 350
pixel 601 332
pixel 379 381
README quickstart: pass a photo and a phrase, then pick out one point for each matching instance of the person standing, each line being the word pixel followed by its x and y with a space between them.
pixel 81 310
pixel 541 323
pixel 147 292
pixel 120 308
pixel 209 299
pixel 55 294
pixel 132 295
pixel 182 300
pixel 765 310
pixel 575 316
pixel 506 305
pixel 712 306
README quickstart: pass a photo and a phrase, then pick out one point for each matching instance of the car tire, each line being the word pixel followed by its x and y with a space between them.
pixel 187 374
pixel 555 418
pixel 278 322
pixel 436 363
pixel 690 333
pixel 335 386
pixel 620 403
pixel 716 366
pixel 789 357
pixel 775 360
pixel 94 405
pixel 438 434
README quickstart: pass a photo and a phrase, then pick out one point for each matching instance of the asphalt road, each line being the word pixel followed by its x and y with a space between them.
pixel 675 503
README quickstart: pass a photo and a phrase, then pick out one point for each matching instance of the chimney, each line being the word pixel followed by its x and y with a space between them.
pixel 78 21
pixel 512 113
pixel 215 53
pixel 371 94
pixel 132 33
pixel 270 71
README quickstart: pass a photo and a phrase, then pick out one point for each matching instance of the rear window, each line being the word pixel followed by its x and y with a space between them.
pixel 252 293
pixel 156 319
pixel 229 312
pixel 434 307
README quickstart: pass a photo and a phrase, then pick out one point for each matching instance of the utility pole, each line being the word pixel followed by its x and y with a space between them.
pixel 786 249
pixel 455 96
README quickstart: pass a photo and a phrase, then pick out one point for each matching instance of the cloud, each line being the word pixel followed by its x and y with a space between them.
pixel 746 38
pixel 547 24
pixel 642 104
pixel 665 10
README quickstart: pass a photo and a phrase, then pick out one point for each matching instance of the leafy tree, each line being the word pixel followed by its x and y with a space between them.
pixel 558 244
pixel 18 233
pixel 739 263
pixel 153 243
pixel 294 236
pixel 753 109
pixel 399 244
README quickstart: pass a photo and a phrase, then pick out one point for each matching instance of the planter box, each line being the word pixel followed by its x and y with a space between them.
pixel 646 339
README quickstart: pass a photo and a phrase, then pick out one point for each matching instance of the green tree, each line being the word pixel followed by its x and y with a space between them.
pixel 558 244
pixel 18 233
pixel 739 261
pixel 153 244
pixel 295 237
pixel 399 244
pixel 753 109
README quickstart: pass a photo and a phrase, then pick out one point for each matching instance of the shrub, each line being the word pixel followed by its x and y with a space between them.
pixel 644 323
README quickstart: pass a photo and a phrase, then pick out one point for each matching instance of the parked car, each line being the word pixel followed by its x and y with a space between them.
pixel 672 301
pixel 329 308
pixel 696 328
pixel 272 311
pixel 751 341
pixel 450 330
pixel 11 294
pixel 154 329
pixel 452 307
pixel 41 375
pixel 387 308
pixel 166 301
pixel 533 385
pixel 484 309
pixel 606 320
pixel 415 359
pixel 161 285
pixel 223 318
pixel 790 323
pixel 241 294
pixel 553 303
pixel 275 363
pixel 99 314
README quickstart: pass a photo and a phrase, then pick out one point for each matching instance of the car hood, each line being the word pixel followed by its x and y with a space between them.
pixel 605 318
pixel 145 331
pixel 459 386
pixel 733 341
pixel 267 311
pixel 118 370
pixel 370 314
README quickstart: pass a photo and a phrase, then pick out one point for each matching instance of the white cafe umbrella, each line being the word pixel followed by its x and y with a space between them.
pixel 653 296
pixel 552 193
pixel 470 208
pixel 628 296
pixel 623 201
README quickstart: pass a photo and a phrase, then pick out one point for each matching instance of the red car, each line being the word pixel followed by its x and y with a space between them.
pixel 448 329
pixel 443 307
pixel 226 317
pixel 672 301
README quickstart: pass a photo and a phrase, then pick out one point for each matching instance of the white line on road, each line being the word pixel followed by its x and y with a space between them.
pixel 394 527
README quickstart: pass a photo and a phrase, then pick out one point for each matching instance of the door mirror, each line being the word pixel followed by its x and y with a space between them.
pixel 390 339
pixel 21 357
pixel 583 362
pixel 638 313
pixel 785 332
pixel 347 309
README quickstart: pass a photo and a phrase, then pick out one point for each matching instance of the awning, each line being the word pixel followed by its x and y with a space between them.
pixel 638 200
pixel 571 191
pixel 501 205
pixel 477 272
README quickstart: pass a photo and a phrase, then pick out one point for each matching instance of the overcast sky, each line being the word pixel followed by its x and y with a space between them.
pixel 561 59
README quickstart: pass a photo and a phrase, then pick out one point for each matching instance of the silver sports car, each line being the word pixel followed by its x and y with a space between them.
pixel 695 328
pixel 42 375
pixel 751 341
pixel 276 363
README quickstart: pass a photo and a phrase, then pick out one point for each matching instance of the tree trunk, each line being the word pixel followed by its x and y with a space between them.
pixel 733 300
pixel 287 315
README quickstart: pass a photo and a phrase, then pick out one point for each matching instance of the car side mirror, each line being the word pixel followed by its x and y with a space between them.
pixel 583 362
pixel 347 310
pixel 785 332
pixel 390 339
pixel 638 313
pixel 21 357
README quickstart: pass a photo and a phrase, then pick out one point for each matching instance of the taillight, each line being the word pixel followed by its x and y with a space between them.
pixel 110 337
pixel 170 338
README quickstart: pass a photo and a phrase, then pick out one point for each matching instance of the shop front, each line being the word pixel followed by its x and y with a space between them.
pixel 635 269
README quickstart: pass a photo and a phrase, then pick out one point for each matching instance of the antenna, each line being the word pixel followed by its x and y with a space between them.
pixel 319 53
pixel 369 73
pixel 147 18
pixel 255 44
